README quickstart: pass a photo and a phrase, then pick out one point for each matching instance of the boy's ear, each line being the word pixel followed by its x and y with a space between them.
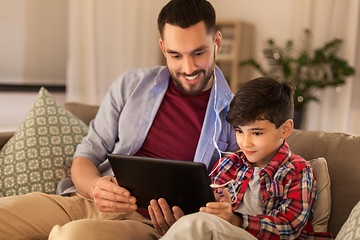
pixel 287 128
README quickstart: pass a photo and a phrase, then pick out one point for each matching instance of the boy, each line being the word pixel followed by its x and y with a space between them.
pixel 264 188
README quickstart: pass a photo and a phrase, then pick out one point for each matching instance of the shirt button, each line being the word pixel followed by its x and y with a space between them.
pixel 245 177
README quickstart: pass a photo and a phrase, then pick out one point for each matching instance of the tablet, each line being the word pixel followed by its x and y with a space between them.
pixel 183 184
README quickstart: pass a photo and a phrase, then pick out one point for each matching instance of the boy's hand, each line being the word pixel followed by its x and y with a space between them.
pixel 223 210
pixel 161 215
pixel 110 197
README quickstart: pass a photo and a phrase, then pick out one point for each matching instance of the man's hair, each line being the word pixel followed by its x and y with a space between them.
pixel 262 98
pixel 186 13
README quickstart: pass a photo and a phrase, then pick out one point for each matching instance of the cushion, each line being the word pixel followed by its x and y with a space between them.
pixel 40 152
pixel 341 152
pixel 322 206
pixel 351 228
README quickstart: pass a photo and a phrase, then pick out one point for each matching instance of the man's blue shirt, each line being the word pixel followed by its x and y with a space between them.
pixel 129 108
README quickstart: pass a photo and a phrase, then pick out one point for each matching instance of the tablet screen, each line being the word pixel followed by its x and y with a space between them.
pixel 183 184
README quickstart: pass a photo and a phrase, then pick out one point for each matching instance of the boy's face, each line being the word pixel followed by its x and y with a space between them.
pixel 261 140
pixel 190 56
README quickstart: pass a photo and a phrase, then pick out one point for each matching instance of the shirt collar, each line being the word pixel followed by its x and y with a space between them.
pixel 164 75
pixel 282 156
pixel 223 92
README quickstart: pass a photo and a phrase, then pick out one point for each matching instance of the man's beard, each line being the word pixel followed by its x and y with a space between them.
pixel 206 79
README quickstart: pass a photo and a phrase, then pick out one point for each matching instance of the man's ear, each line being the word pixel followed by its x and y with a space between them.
pixel 287 128
pixel 218 41
pixel 161 43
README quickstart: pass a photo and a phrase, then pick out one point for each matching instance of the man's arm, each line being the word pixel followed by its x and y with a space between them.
pixel 107 194
pixel 84 175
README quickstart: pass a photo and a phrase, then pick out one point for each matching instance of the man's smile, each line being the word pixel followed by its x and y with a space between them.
pixel 191 78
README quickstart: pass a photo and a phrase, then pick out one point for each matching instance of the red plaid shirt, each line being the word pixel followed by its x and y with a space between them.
pixel 287 187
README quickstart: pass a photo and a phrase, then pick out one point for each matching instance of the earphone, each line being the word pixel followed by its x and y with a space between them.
pixel 215 53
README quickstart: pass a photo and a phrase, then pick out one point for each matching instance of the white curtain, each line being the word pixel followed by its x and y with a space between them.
pixel 106 38
pixel 337 111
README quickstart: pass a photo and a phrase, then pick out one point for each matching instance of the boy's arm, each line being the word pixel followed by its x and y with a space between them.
pixel 290 215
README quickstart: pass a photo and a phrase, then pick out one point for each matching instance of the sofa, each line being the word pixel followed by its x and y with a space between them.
pixel 341 152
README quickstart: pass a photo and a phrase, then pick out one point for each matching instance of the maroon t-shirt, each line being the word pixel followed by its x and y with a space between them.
pixel 176 129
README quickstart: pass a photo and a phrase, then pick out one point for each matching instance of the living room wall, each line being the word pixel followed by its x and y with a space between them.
pixel 33 52
pixel 33 43
pixel 120 35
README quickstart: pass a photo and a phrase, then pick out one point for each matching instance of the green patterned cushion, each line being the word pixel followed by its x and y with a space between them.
pixel 41 150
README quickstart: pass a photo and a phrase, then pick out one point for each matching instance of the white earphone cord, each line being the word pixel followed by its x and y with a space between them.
pixel 215 126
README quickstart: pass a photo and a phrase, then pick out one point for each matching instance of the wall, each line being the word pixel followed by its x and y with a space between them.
pixel 33 43
pixel 272 19
pixel 33 51
pixel 280 19
pixel 15 105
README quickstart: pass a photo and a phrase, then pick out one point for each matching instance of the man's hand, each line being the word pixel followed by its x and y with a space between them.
pixel 110 197
pixel 223 210
pixel 107 195
pixel 161 215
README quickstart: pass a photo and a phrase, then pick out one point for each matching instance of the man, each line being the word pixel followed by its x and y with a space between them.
pixel 175 112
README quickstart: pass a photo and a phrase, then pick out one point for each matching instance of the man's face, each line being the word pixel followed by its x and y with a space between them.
pixel 190 56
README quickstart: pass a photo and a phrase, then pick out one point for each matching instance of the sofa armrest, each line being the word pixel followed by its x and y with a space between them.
pixel 84 112
pixel 4 137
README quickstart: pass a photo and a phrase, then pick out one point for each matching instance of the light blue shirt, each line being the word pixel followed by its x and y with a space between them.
pixel 129 108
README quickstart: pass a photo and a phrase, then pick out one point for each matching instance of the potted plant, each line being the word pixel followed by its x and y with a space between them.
pixel 309 70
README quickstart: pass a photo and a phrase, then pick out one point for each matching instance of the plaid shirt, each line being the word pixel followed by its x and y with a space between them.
pixel 287 187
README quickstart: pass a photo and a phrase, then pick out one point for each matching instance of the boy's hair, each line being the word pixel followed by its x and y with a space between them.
pixel 186 13
pixel 262 98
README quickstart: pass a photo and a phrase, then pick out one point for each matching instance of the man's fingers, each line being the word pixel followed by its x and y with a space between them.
pixel 113 179
pixel 107 188
pixel 157 217
pixel 109 184
pixel 110 197
pixel 161 215
pixel 178 213
pixel 168 214
pixel 114 205
pixel 154 221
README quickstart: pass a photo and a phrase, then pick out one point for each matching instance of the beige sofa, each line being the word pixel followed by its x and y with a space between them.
pixel 341 152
